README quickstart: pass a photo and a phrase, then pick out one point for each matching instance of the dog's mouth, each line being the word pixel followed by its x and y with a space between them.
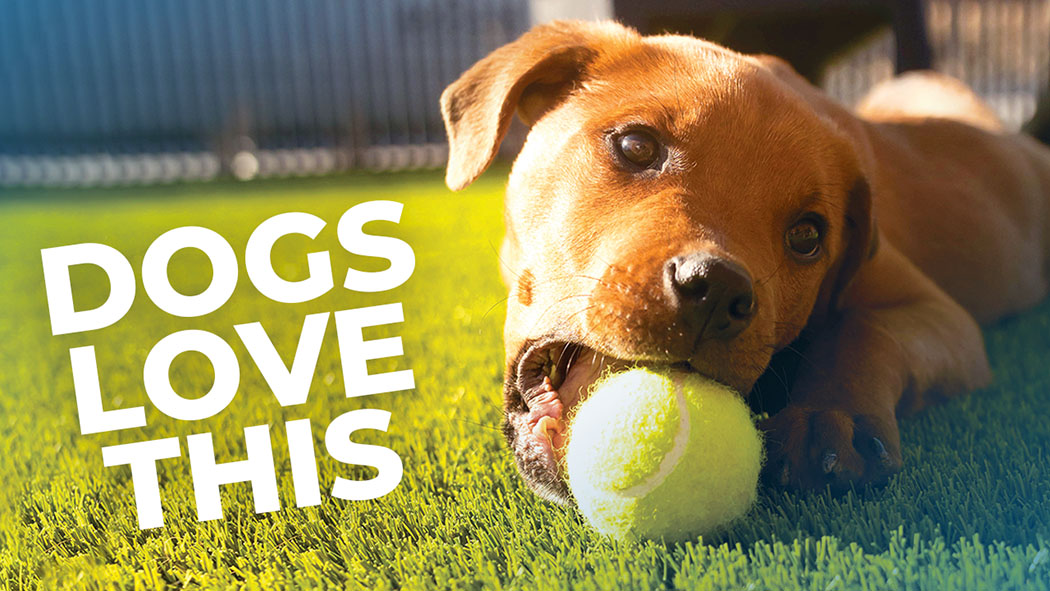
pixel 544 389
pixel 553 376
pixel 553 379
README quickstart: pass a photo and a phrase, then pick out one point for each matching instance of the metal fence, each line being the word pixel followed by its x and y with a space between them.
pixel 97 92
pixel 122 90
pixel 1001 48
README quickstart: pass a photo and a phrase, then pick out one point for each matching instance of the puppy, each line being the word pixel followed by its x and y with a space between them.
pixel 676 203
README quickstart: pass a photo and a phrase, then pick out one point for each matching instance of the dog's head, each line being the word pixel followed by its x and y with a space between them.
pixel 675 203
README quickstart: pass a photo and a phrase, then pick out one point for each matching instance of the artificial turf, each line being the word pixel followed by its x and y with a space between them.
pixel 971 510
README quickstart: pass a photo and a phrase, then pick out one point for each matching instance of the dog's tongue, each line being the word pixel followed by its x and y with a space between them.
pixel 579 378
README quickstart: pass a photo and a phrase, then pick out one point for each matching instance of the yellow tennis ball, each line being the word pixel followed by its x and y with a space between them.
pixel 662 455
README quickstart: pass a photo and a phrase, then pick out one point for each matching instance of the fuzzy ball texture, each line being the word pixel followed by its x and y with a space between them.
pixel 662 455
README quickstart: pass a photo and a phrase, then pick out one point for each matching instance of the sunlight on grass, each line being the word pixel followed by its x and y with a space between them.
pixel 971 509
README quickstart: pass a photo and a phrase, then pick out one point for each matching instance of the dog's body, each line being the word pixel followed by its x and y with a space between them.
pixel 961 202
pixel 678 203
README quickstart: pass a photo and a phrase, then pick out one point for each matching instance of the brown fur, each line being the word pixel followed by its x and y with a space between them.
pixel 936 219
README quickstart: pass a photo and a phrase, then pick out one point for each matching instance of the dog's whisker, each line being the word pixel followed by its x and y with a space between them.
pixel 518 275
pixel 560 278
pixel 577 313
pixel 571 297
pixel 563 278
pixel 773 274
pixel 477 424
pixel 572 356
pixel 493 307
pixel 502 262
pixel 782 380
pixel 562 300
pixel 801 355
pixel 555 303
pixel 561 357
pixel 598 279
pixel 541 315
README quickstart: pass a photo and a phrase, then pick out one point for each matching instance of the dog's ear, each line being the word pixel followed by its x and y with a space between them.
pixel 860 237
pixel 530 76
pixel 862 240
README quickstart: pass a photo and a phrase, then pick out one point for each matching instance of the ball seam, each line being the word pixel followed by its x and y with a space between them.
pixel 669 461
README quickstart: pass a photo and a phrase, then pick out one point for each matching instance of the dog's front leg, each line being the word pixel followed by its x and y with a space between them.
pixel 896 342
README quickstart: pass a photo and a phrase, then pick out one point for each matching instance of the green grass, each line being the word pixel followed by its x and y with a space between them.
pixel 971 510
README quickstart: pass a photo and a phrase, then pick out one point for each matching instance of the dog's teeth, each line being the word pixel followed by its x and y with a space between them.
pixel 548 428
pixel 554 378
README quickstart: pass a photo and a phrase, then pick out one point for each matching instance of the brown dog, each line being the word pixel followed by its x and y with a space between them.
pixel 679 203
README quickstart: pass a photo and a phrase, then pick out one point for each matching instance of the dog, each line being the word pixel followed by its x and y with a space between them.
pixel 679 204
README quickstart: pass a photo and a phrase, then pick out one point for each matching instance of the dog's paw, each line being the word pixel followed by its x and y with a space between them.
pixel 811 448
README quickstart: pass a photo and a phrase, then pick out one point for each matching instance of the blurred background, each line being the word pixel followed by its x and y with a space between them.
pixel 116 92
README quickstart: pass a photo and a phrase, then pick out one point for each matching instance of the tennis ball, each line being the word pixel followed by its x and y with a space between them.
pixel 662 455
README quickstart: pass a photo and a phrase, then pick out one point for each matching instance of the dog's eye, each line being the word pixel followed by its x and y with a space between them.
pixel 639 148
pixel 804 238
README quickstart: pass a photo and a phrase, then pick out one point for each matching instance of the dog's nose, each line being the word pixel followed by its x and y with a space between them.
pixel 713 294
